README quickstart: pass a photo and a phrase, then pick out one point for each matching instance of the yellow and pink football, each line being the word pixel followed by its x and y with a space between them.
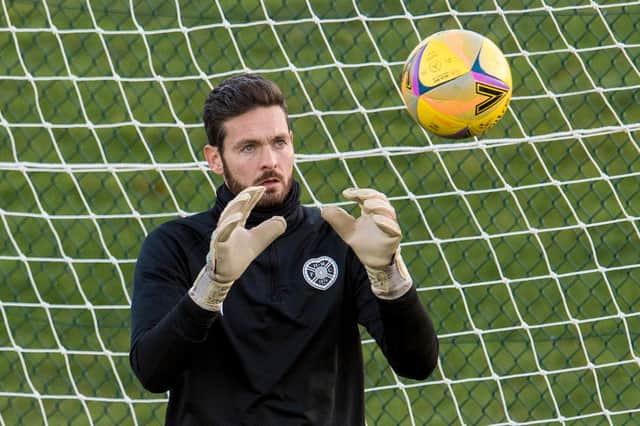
pixel 456 84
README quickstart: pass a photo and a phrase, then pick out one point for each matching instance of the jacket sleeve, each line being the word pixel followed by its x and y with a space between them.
pixel 402 328
pixel 166 325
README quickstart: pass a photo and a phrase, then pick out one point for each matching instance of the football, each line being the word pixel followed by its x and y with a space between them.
pixel 456 84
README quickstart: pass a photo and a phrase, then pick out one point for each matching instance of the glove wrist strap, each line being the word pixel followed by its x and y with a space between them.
pixel 390 282
pixel 207 292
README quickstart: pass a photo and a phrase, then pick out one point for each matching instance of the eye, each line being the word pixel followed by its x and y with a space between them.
pixel 248 148
pixel 280 142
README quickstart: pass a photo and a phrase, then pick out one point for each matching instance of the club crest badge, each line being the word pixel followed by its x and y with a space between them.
pixel 320 272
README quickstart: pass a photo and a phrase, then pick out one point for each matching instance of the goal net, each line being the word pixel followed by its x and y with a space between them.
pixel 524 243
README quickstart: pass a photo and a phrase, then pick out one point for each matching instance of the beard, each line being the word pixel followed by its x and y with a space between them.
pixel 270 198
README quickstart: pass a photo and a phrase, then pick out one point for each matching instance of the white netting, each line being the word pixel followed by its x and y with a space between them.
pixel 524 242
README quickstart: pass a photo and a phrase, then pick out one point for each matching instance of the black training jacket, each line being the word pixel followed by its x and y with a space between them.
pixel 286 349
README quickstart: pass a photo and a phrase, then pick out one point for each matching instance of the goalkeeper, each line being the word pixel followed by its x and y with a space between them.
pixel 248 313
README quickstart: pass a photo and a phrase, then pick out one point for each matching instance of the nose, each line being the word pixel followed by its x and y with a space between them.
pixel 269 158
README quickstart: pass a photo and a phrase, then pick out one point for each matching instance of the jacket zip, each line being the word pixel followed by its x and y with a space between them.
pixel 273 261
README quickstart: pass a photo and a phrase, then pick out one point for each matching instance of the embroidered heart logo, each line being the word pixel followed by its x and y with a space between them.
pixel 320 272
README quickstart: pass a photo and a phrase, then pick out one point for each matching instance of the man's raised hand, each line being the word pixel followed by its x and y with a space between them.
pixel 375 238
pixel 233 248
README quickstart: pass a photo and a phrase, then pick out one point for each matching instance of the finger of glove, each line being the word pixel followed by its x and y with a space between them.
pixel 378 206
pixel 264 234
pixel 361 194
pixel 388 226
pixel 226 227
pixel 243 203
pixel 342 222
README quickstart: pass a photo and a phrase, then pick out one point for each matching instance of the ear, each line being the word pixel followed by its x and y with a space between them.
pixel 214 159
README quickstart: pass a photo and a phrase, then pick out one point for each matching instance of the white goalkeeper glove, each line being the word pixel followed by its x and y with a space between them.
pixel 375 238
pixel 233 248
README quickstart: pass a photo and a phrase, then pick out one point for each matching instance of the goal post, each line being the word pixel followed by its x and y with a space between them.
pixel 524 243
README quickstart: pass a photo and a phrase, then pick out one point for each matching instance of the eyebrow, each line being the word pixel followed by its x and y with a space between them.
pixel 246 141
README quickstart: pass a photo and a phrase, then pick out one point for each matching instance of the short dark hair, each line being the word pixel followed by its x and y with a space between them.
pixel 235 96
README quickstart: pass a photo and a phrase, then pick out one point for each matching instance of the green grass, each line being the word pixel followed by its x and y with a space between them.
pixel 523 336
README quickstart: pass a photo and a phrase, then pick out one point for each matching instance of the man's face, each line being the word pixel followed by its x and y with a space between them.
pixel 258 150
